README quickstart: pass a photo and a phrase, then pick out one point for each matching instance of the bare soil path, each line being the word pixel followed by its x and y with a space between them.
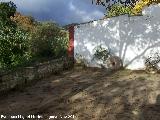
pixel 89 94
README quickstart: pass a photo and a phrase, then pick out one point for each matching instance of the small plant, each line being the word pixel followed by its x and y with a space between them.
pixel 81 60
pixel 101 53
pixel 151 63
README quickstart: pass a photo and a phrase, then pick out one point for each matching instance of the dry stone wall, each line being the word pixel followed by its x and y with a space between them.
pixel 22 76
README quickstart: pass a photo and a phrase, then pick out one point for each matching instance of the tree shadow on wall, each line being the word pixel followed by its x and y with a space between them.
pixel 130 38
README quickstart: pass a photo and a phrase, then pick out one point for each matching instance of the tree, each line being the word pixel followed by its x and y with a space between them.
pixel 136 5
pixel 13 48
pixel 117 10
pixel 142 3
pixel 48 40
pixel 27 23
pixel 7 9
pixel 12 40
pixel 108 3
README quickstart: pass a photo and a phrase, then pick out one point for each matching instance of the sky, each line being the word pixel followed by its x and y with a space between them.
pixel 62 12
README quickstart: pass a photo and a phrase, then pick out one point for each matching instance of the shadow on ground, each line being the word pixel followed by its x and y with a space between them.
pixel 90 94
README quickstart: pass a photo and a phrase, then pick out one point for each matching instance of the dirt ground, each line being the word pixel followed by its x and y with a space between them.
pixel 90 94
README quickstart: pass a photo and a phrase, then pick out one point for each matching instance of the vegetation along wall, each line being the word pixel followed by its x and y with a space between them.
pixel 133 39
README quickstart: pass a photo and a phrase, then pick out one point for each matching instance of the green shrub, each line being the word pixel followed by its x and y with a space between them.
pixel 20 47
pixel 151 63
pixel 48 40
pixel 13 41
pixel 13 47
pixel 101 53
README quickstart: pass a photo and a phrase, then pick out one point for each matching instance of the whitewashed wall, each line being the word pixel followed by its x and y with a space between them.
pixel 131 38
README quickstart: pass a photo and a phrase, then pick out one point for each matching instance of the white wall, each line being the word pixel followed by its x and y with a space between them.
pixel 131 38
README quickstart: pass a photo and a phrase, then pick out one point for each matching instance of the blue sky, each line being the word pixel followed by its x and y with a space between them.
pixel 61 11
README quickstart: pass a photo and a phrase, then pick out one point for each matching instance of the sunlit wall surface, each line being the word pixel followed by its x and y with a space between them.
pixel 132 39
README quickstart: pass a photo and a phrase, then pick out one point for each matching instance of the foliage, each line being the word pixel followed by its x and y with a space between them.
pixel 108 3
pixel 117 10
pixel 152 62
pixel 13 47
pixel 80 60
pixel 135 5
pixel 13 41
pixel 101 53
pixel 23 40
pixel 48 40
pixel 7 9
pixel 142 3
pixel 26 23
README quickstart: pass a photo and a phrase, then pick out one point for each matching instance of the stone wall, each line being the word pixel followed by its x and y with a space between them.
pixel 22 76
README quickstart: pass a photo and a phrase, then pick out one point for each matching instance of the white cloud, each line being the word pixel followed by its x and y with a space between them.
pixel 85 15
pixel 61 11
